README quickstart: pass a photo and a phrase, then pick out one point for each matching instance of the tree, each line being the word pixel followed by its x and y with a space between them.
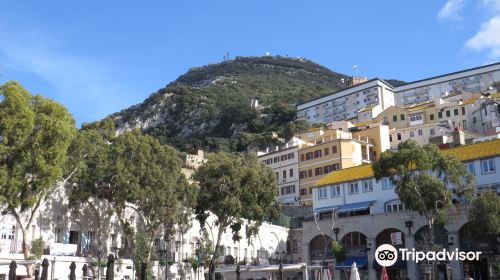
pixel 484 214
pixel 133 171
pixel 35 133
pixel 425 181
pixel 235 188
pixel 424 177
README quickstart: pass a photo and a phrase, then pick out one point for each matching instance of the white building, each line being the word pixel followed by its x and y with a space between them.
pixel 366 100
pixel 371 97
pixel 284 162
pixel 369 213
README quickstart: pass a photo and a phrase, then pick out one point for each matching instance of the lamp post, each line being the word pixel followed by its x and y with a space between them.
pixel 409 224
pixel 336 231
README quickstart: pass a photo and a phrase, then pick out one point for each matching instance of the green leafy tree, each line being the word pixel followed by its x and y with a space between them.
pixel 484 214
pixel 234 188
pixel 133 171
pixel 35 133
pixel 423 177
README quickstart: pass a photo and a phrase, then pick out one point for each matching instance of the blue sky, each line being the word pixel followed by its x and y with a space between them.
pixel 98 57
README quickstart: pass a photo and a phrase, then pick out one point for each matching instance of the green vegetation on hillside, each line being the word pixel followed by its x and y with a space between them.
pixel 209 106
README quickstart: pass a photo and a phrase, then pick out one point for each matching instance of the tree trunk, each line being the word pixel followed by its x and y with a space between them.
pixel 211 270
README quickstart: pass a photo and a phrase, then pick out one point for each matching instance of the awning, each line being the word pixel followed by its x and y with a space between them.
pixel 347 263
pixel 324 209
pixel 351 207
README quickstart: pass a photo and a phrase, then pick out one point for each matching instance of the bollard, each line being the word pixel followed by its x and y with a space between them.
pixel 110 267
pixel 45 269
pixel 72 274
pixel 12 270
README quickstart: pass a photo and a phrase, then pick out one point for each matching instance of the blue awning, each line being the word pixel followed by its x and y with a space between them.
pixel 351 207
pixel 347 263
pixel 324 209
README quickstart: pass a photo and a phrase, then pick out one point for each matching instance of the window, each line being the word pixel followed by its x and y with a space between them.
pixel 8 232
pixel 455 111
pixel 284 174
pixel 420 132
pixel 302 174
pixel 431 131
pixel 474 120
pixel 288 189
pixel 353 188
pixel 269 161
pixel 291 155
pixel 284 157
pixel 399 136
pixel 327 151
pixel 448 114
pixel 416 117
pixel 277 175
pixel 386 184
pixel 431 117
pixel 402 117
pixel 322 193
pixel 488 165
pixel 390 138
pixel 354 239
pixel 309 173
pixel 291 172
pixel 318 171
pixel 463 124
pixel 317 154
pixel 276 159
pixel 367 186
pixel 412 133
pixel 303 192
pixel 394 118
pixel 309 156
pixel 440 115
pixel 302 157
pixel 335 190
pixel 396 206
pixel 470 166
pixel 463 110
pixel 334 149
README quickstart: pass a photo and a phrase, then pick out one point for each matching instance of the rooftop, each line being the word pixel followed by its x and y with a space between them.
pixel 463 153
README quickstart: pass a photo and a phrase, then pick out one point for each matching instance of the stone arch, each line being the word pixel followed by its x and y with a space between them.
pixel 353 238
pixel 423 237
pixel 471 241
pixel 319 247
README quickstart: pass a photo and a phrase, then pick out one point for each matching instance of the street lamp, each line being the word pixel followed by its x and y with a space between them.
pixel 409 224
pixel 336 231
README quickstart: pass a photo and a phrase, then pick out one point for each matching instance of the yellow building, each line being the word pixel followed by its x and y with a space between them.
pixel 328 150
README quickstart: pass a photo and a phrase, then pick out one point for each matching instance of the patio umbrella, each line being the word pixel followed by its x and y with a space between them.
pixel 326 274
pixel 384 274
pixel 354 272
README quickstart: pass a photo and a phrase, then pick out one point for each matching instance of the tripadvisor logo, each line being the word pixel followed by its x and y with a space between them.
pixel 387 255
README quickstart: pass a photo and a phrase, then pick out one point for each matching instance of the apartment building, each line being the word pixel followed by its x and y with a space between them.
pixel 328 150
pixel 368 213
pixel 367 100
pixel 285 164
pixel 371 97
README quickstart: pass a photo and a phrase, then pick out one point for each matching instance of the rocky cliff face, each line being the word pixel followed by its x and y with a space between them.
pixel 210 107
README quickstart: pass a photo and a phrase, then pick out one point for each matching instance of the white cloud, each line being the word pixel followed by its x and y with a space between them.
pixel 452 10
pixel 488 38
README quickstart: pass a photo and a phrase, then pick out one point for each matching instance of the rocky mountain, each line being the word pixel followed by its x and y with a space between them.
pixel 210 107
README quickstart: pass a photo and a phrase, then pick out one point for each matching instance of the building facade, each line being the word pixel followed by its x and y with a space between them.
pixel 366 100
pixel 368 213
